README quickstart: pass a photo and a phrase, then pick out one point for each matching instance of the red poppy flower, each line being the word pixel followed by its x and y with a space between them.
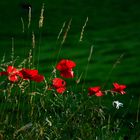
pixel 29 74
pixel 65 67
pixel 59 84
pixel 95 91
pixel 119 88
pixel 65 64
pixel 12 73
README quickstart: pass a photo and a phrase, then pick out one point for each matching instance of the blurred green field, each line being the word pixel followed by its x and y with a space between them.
pixel 113 29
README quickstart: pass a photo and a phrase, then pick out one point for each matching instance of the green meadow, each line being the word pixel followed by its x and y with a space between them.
pixel 112 28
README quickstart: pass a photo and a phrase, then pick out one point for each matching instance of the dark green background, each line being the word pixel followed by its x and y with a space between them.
pixel 113 28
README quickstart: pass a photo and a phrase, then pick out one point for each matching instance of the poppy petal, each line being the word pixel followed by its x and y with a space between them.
pixel 61 90
pixel 13 78
pixel 67 74
pixel 65 64
pixel 38 78
pixel 99 93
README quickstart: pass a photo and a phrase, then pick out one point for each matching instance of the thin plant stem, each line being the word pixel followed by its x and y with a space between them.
pixel 12 54
pixel 23 26
pixel 61 30
pixel 66 32
pixel 33 48
pixel 39 48
pixel 113 67
pixel 64 37
pixel 86 70
pixel 137 117
pixel 40 33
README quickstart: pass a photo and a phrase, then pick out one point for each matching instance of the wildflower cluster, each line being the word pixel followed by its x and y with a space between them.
pixel 66 71
pixel 47 109
pixel 65 67
pixel 15 74
pixel 97 90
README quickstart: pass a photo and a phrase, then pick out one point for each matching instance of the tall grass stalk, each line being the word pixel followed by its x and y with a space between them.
pixel 33 48
pixel 29 17
pixel 64 37
pixel 87 66
pixel 23 25
pixel 113 67
pixel 41 21
pixel 61 30
pixel 83 29
pixel 12 54
pixel 66 32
